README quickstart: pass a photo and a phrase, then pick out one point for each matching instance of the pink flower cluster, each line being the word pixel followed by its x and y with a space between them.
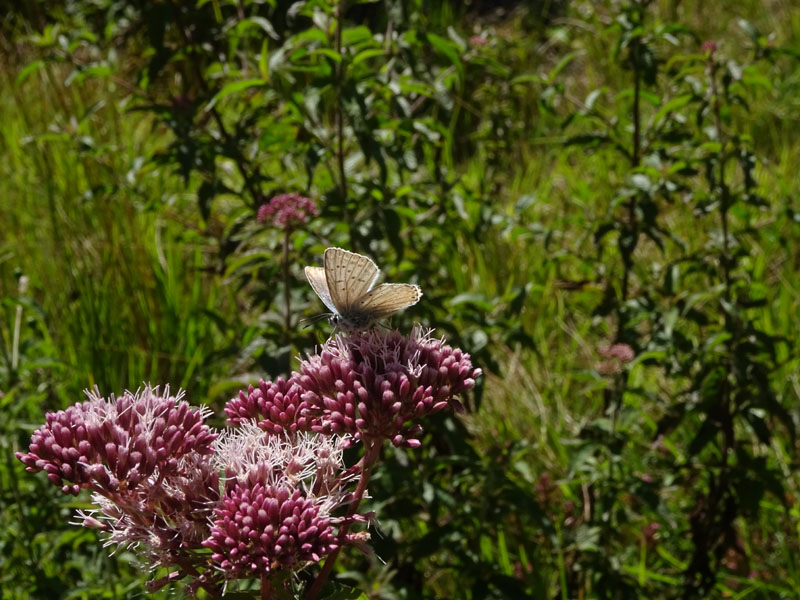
pixel 278 503
pixel 258 529
pixel 288 211
pixel 373 384
pixel 116 444
pixel 615 356
pixel 709 46
pixel 478 40
pixel 154 469
pixel 147 458
pixel 275 405
pixel 266 496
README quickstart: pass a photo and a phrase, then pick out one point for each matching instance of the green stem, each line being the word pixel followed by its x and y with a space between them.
pixel 340 111
pixel 724 204
pixel 286 289
pixel 728 435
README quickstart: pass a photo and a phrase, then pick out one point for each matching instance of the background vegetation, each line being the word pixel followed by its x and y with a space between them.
pixel 599 200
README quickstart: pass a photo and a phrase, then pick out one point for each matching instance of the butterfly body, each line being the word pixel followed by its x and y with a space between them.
pixel 352 321
pixel 346 285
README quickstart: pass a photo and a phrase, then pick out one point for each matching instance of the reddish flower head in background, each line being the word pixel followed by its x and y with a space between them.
pixel 288 211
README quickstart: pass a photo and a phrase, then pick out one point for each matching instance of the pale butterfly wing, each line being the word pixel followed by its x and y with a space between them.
pixel 388 298
pixel 349 276
pixel 316 277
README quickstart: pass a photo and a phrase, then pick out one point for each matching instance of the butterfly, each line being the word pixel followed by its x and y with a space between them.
pixel 345 286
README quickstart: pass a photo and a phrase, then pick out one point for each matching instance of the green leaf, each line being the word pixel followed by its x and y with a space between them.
pixel 477 300
pixel 711 147
pixel 259 22
pixel 329 52
pixel 449 50
pixel 234 88
pixel 367 54
pixel 28 70
pixel 263 61
pixel 592 97
pixel 527 79
pixel 354 35
pixel 673 105
pixel 562 64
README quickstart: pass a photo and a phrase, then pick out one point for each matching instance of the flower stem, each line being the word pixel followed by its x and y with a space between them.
pixel 286 289
pixel 724 204
pixel 266 589
pixel 208 586
pixel 636 150
pixel 340 112
pixel 250 177
pixel 373 450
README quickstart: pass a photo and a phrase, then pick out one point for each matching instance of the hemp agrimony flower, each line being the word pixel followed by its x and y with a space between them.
pixel 374 384
pixel 275 405
pixel 277 510
pixel 147 459
pixel 288 211
pixel 115 444
pixel 272 494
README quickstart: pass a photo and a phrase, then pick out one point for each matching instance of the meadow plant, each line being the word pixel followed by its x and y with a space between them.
pixel 371 385
pixel 270 495
pixel 655 247
pixel 288 211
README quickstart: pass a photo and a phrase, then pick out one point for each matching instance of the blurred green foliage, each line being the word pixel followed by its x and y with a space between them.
pixel 559 177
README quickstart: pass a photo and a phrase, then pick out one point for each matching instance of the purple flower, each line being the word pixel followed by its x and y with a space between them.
pixel 709 46
pixel 288 211
pixel 373 384
pixel 622 352
pixel 261 528
pixel 148 459
pixel 275 405
pixel 650 531
pixel 165 519
pixel 616 355
pixel 113 445
pixel 280 493
pixel 303 459
pixel 478 40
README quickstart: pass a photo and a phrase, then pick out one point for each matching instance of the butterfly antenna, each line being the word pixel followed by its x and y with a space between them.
pixel 309 321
